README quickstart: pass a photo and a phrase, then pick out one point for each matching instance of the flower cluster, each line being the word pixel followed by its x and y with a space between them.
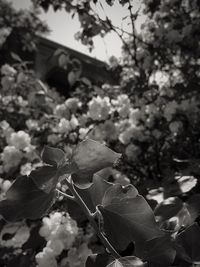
pixel 60 232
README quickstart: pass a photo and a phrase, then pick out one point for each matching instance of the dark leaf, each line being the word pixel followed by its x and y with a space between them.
pixel 159 252
pixel 193 206
pixel 188 244
pixel 88 158
pixel 94 194
pixel 53 156
pixel 98 260
pixel 127 217
pixel 25 200
pixel 46 178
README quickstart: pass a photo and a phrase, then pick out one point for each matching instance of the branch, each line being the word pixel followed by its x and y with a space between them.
pixel 91 218
pixel 132 17
pixel 66 195
pixel 114 29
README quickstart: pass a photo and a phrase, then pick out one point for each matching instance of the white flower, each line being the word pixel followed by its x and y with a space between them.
pixel 20 140
pixel 73 104
pixel 56 245
pixel 30 153
pixel 74 122
pixel 32 124
pixel 7 130
pixel 62 111
pixel 5 185
pixel 4 33
pixel 7 70
pixel 125 137
pixel 134 115
pixel 161 78
pixel 64 126
pixel 83 133
pixel 78 256
pixel 60 230
pixel 59 226
pixel 122 104
pixel 26 169
pixel 11 157
pixel 46 258
pixel 99 108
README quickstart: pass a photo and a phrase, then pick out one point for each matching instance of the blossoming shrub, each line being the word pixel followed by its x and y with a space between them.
pixel 157 133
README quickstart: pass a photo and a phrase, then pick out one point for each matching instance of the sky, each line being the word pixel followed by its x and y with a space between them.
pixel 63 28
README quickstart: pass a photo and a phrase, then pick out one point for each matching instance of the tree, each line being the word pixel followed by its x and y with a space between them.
pixel 19 28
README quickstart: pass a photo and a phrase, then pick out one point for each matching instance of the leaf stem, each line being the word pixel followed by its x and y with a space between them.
pixel 65 195
pixel 91 218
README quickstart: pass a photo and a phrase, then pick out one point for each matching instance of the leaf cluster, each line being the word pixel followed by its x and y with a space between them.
pixel 119 214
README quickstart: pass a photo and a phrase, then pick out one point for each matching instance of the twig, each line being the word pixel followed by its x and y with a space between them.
pixel 65 195
pixel 133 30
pixel 91 217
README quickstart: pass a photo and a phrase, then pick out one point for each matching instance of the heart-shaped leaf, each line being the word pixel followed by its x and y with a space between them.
pixel 25 200
pixel 130 261
pixel 188 244
pixel 88 158
pixel 94 193
pixel 46 178
pixel 159 252
pixel 53 156
pixel 122 208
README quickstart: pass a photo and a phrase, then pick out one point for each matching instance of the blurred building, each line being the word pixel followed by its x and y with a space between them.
pixel 60 66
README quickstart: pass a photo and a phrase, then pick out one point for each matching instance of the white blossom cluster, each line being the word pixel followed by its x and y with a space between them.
pixel 76 256
pixel 99 108
pixel 60 232
pixel 18 147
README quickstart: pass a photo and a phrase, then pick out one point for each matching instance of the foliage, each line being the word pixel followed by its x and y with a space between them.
pixel 119 207
pixel 20 27
pixel 151 118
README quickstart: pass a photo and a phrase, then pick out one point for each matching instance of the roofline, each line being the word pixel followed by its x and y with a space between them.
pixel 54 45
